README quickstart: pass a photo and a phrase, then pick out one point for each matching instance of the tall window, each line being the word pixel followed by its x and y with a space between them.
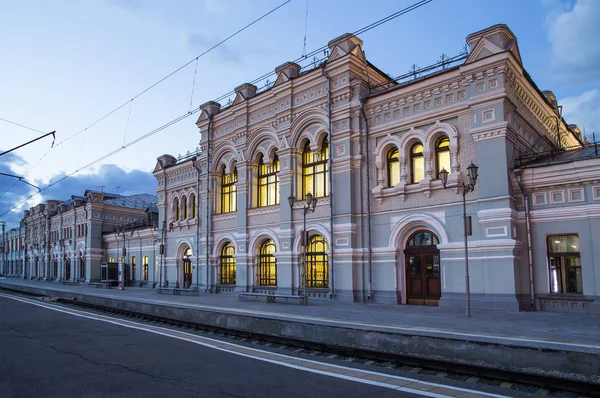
pixel 229 192
pixel 145 268
pixel 184 208
pixel 268 182
pixel 192 205
pixel 267 264
pixel 417 162
pixel 315 171
pixel 176 209
pixel 442 154
pixel 565 264
pixel 133 264
pixel 393 168
pixel 228 264
pixel 317 262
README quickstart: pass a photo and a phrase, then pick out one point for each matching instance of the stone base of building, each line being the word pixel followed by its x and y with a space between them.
pixel 499 302
pixel 569 303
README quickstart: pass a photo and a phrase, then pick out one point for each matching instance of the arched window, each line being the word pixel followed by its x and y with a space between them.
pixel 315 171
pixel 268 182
pixel 423 238
pixel 228 191
pixel 442 155
pixel 192 205
pixel 184 207
pixel 317 263
pixel 393 167
pixel 417 163
pixel 267 264
pixel 228 264
pixel 176 209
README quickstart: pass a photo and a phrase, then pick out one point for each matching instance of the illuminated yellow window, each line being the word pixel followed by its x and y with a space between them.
pixel 315 171
pixel 111 260
pixel 192 206
pixel 317 263
pixel 184 208
pixel 442 154
pixel 228 264
pixel 176 209
pixel 229 192
pixel 267 264
pixel 268 182
pixel 393 168
pixel 417 162
pixel 145 268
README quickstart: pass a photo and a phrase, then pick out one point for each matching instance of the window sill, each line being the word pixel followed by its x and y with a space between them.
pixel 425 186
pixel 263 210
pixel 225 216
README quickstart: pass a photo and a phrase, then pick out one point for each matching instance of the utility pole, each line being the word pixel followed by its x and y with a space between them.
pixel 4 250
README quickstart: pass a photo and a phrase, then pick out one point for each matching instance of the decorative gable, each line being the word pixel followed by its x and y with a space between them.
pixel 493 40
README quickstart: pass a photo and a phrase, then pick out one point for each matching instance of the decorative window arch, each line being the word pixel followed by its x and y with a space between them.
pixel 268 182
pixel 176 209
pixel 192 206
pixel 266 274
pixel 315 171
pixel 393 167
pixel 184 208
pixel 229 191
pixel 442 155
pixel 228 267
pixel 417 163
pixel 317 263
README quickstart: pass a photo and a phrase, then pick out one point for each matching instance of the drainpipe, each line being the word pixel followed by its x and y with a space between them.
pixel 331 257
pixel 197 206
pixel 369 245
pixel 208 198
pixel 518 174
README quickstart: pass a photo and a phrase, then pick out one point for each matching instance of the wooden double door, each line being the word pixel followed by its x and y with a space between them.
pixel 422 263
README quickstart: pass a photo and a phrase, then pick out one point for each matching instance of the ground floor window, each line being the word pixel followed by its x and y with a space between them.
pixel 228 264
pixel 267 264
pixel 145 268
pixel 317 263
pixel 565 264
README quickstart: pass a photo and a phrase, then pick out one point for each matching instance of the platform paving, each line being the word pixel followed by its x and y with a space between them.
pixel 559 334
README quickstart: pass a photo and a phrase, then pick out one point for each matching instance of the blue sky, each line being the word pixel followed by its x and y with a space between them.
pixel 66 63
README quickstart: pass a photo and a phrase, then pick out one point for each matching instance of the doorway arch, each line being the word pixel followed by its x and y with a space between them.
pixel 422 268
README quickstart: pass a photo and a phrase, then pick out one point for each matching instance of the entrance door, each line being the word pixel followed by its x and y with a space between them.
pixel 187 269
pixel 422 263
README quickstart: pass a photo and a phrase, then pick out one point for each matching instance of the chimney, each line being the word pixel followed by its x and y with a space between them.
pixel 289 69
pixel 346 42
pixel 246 90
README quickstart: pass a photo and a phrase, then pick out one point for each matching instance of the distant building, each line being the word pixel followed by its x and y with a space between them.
pixel 371 150
pixel 67 241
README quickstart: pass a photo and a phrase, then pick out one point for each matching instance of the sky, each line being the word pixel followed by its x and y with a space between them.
pixel 66 64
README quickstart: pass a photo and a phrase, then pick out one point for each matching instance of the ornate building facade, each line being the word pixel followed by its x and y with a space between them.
pixel 385 227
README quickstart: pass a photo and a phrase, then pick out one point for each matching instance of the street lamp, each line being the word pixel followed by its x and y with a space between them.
pixel 311 204
pixel 466 188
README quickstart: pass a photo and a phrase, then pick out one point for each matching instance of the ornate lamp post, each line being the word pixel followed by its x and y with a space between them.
pixel 466 188
pixel 311 204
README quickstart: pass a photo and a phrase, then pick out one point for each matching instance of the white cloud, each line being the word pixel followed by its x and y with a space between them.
pixel 583 110
pixel 215 7
pixel 573 35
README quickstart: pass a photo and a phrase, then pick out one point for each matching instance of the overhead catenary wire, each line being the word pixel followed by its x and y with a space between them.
pixel 189 113
pixel 22 125
pixel 175 71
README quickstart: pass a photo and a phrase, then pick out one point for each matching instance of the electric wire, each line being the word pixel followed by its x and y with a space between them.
pixel 189 113
pixel 175 71
pixel 22 125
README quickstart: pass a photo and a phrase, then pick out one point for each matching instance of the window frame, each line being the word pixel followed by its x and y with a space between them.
pixel 562 277
pixel 183 204
pixel 229 191
pixel 266 263
pixel 416 157
pixel 439 151
pixel 393 162
pixel 311 171
pixel 312 263
pixel 176 208
pixel 228 267
pixel 267 176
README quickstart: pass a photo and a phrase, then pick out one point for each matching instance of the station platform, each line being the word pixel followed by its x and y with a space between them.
pixel 538 343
